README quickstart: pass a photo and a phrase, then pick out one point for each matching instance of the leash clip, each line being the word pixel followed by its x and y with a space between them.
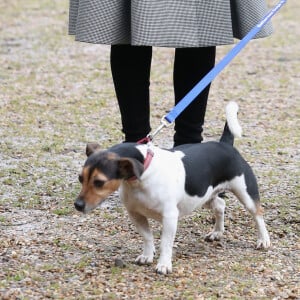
pixel 164 123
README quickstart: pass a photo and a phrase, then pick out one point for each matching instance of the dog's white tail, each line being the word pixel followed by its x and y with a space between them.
pixel 231 117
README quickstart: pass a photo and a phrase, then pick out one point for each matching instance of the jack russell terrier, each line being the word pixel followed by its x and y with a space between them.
pixel 168 184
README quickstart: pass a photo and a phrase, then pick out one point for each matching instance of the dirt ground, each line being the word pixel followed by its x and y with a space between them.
pixel 56 95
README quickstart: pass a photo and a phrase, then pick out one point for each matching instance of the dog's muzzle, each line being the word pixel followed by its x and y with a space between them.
pixel 79 204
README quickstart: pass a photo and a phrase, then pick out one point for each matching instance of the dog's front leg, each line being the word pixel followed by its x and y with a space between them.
pixel 169 228
pixel 143 229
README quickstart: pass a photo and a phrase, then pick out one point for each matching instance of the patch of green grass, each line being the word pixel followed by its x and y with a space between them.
pixel 110 296
pixel 3 219
pixel 8 181
pixel 16 277
pixel 54 286
pixel 116 271
pixel 63 245
pixel 107 216
pixel 64 211
pixel 48 267
pixel 83 263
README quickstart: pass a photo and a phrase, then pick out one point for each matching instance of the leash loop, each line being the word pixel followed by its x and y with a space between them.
pixel 163 123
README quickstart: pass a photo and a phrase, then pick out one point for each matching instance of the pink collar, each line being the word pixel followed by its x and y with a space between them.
pixel 148 158
pixel 147 162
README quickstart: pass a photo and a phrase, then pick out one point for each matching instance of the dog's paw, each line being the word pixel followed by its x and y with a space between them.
pixel 163 269
pixel 144 260
pixel 214 236
pixel 263 243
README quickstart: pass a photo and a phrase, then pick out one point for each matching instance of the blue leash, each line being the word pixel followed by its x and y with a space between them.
pixel 209 77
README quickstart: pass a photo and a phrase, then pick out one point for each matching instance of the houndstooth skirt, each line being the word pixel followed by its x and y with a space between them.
pixel 165 23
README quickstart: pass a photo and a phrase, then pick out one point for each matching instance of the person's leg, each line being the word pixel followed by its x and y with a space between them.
pixel 130 66
pixel 190 66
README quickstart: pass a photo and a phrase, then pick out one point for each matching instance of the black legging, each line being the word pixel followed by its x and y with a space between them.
pixel 131 66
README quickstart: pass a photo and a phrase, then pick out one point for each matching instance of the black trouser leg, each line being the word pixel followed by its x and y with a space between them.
pixel 130 66
pixel 190 66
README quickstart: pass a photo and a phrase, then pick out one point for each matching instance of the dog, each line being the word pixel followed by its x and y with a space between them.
pixel 168 184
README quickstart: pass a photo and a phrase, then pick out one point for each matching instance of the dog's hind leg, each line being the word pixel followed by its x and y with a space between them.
pixel 143 229
pixel 217 205
pixel 263 240
pixel 248 195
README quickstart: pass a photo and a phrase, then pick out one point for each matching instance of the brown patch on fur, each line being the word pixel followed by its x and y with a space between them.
pixel 91 148
pixel 93 195
pixel 129 168
pixel 112 156
pixel 259 210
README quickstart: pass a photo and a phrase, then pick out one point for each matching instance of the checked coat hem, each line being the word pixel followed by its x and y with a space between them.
pixel 165 23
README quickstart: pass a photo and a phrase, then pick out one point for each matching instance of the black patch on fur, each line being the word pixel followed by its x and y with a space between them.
pixel 212 163
pixel 127 150
pixel 251 183
pixel 103 161
pixel 227 137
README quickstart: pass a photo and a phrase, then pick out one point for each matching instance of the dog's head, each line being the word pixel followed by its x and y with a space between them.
pixel 102 174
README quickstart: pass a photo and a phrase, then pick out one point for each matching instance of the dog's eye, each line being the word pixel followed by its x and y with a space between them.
pixel 80 178
pixel 98 183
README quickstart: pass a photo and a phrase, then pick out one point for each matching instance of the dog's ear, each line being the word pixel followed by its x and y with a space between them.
pixel 129 167
pixel 91 148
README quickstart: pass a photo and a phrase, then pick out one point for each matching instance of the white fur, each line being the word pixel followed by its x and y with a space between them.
pixel 263 235
pixel 217 205
pixel 160 194
pixel 232 109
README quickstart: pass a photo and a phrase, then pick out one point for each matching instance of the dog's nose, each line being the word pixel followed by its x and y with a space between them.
pixel 79 204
